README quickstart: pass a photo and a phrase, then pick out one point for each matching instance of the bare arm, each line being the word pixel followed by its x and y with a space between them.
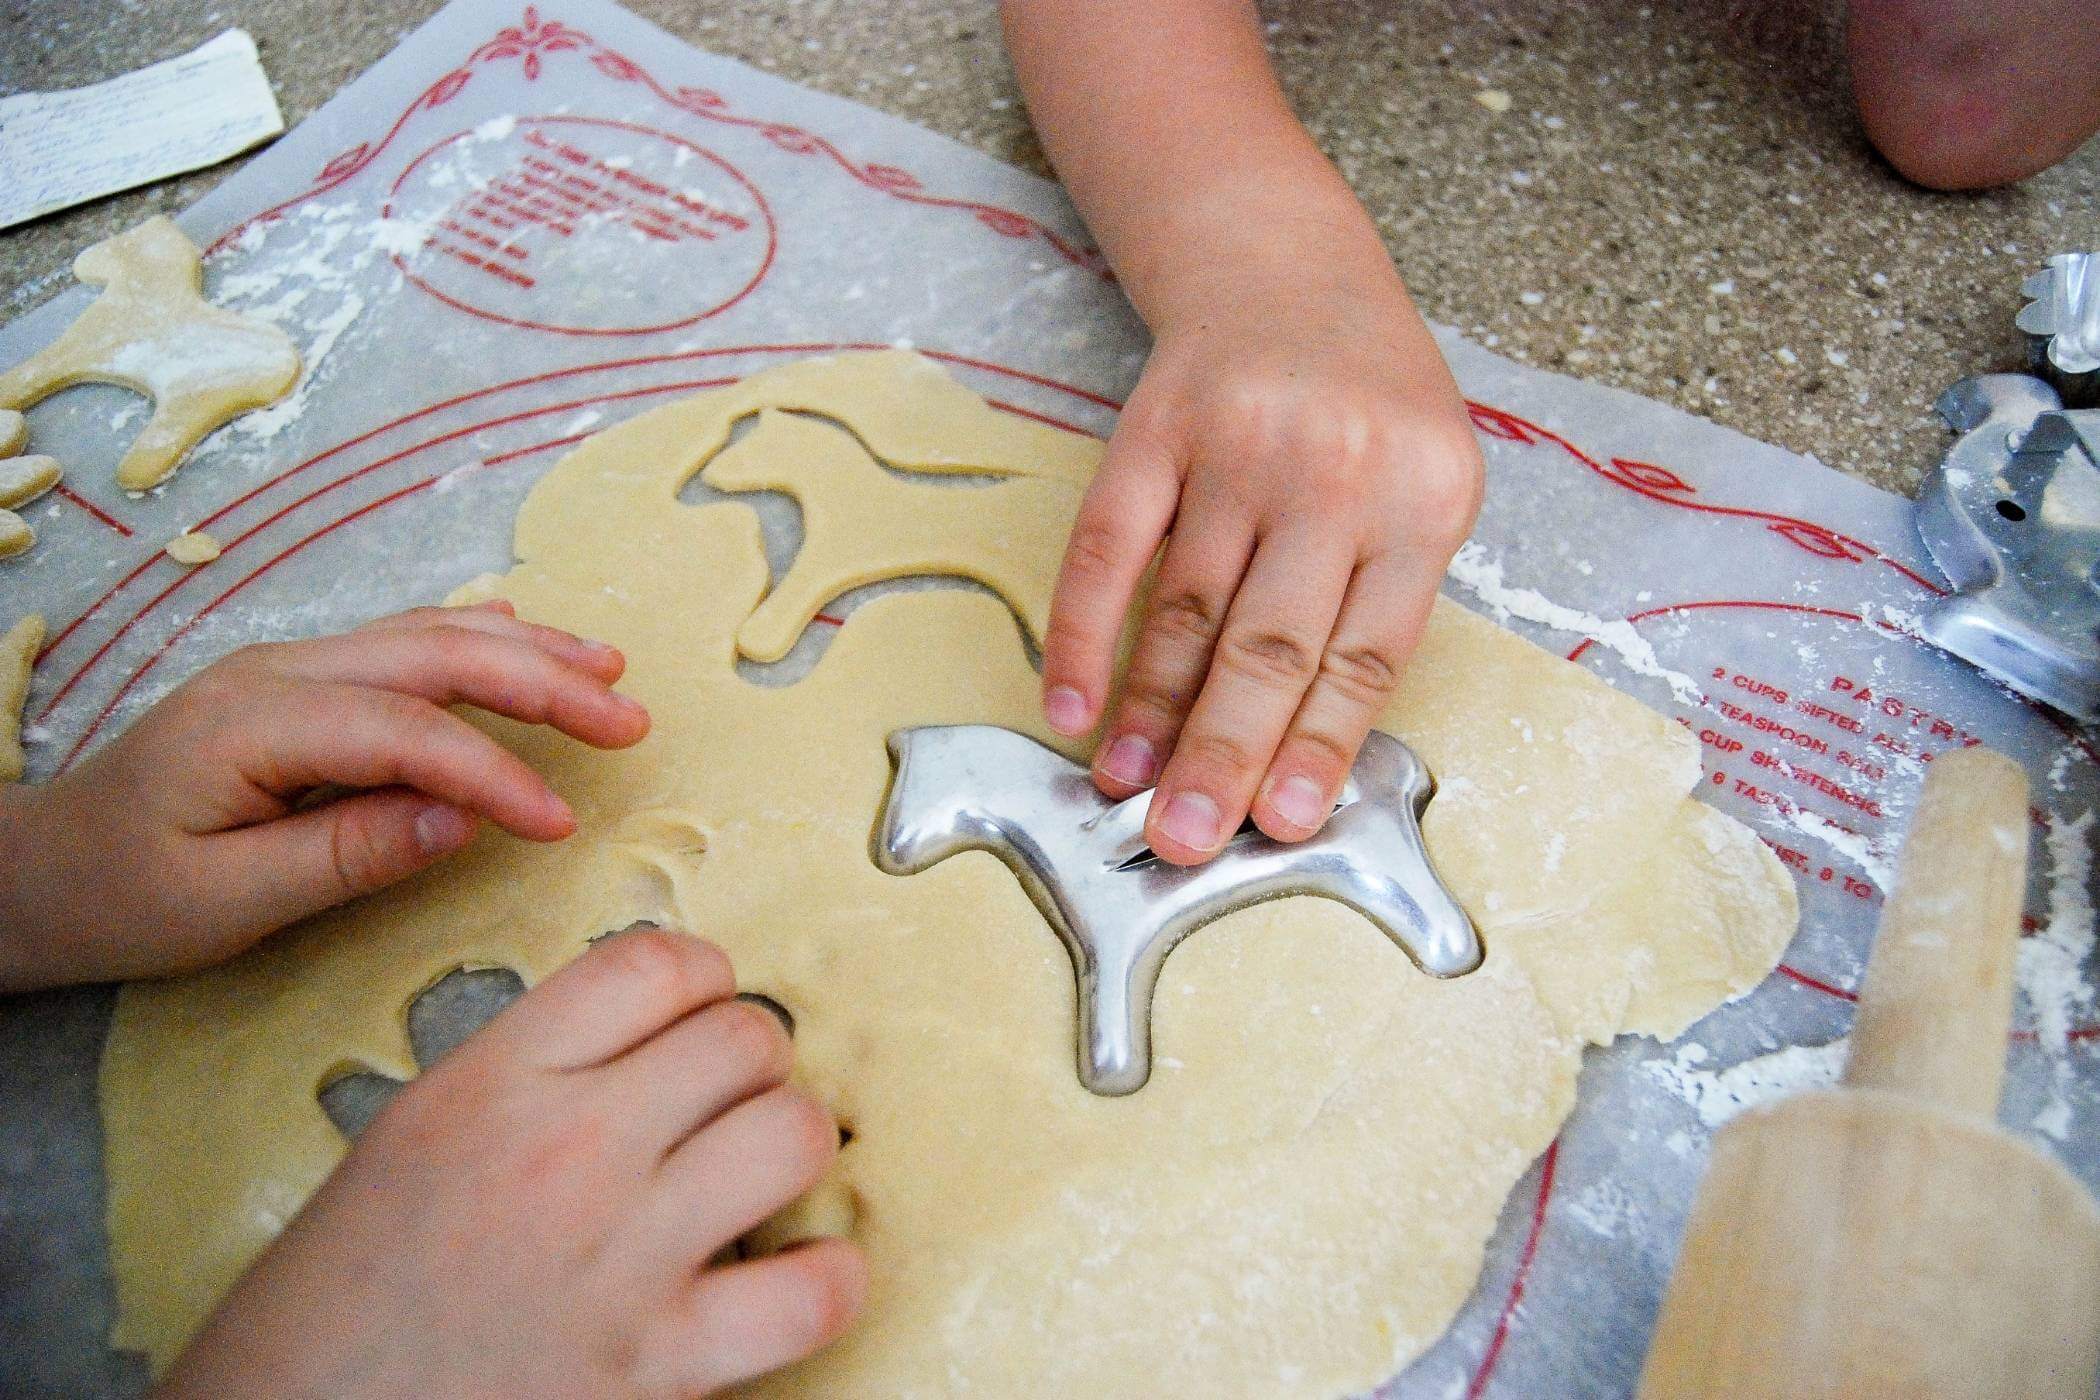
pixel 1296 442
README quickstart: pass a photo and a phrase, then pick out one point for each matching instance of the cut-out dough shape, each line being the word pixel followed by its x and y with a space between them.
pixel 862 524
pixel 151 330
pixel 1297 1202
pixel 18 651
pixel 14 432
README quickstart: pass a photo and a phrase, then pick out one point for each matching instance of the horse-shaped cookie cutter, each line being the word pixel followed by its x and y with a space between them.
pixel 1119 908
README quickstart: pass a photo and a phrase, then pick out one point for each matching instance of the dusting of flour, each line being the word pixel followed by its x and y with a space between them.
pixel 1719 1095
pixel 1473 568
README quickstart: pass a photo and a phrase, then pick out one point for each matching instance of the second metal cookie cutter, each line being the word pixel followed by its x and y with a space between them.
pixel 1119 908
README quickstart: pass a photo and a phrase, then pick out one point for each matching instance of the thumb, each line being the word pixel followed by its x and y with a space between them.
pixel 281 871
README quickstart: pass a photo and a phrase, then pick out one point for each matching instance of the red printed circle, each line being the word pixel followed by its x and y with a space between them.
pixel 519 219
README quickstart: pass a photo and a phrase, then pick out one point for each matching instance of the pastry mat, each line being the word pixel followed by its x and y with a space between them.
pixel 1758 597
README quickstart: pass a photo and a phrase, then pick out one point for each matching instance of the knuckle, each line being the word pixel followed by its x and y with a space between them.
pixel 1217 751
pixel 1185 615
pixel 1329 751
pixel 1151 694
pixel 1269 657
pixel 357 855
pixel 1363 675
pixel 665 964
pixel 1094 552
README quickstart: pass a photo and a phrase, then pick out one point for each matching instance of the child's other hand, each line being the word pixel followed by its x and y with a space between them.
pixel 1307 461
pixel 195 832
pixel 535 1215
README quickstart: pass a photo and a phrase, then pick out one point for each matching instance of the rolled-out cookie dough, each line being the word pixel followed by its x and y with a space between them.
pixel 1296 1204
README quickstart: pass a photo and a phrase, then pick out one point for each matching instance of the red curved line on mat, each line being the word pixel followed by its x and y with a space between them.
pixel 642 361
pixel 185 575
pixel 1507 1317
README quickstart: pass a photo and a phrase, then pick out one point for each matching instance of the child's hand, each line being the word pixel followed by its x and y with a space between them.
pixel 534 1215
pixel 195 832
pixel 1308 463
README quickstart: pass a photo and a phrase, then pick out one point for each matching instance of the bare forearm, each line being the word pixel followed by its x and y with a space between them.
pixel 1167 126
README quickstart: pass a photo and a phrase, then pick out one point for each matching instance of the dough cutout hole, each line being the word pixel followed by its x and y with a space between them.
pixel 439 1019
pixel 819 490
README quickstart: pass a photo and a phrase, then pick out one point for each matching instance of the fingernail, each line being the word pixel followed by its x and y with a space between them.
pixel 628 703
pixel 440 829
pixel 1300 802
pixel 1131 760
pixel 1192 819
pixel 1067 710
pixel 601 648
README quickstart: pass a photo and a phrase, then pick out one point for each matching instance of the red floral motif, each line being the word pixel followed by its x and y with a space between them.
pixel 1665 486
pixel 1006 222
pixel 701 100
pixel 792 139
pixel 529 40
pixel 889 177
pixel 1494 423
pixel 534 37
pixel 1815 539
pixel 446 88
pixel 1651 476
pixel 348 163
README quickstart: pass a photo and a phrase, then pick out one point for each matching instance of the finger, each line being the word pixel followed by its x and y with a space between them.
pixel 1120 524
pixel 742 1321
pixel 449 665
pixel 496 618
pixel 1381 621
pixel 616 995
pixel 725 1179
pixel 355 737
pixel 1206 556
pixel 699 1068
pixel 281 871
pixel 1266 657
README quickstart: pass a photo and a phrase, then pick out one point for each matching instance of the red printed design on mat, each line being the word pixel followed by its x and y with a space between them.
pixel 667 232
pixel 536 41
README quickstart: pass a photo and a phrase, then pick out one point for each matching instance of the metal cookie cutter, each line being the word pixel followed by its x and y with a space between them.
pixel 1119 908
pixel 2062 325
pixel 2012 517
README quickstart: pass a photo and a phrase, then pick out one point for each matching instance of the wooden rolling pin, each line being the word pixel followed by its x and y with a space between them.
pixel 1887 1238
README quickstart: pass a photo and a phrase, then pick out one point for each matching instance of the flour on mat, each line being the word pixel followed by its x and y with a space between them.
pixel 2052 963
pixel 1473 568
pixel 1862 851
pixel 1719 1095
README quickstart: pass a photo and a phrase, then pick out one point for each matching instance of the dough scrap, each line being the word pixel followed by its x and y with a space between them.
pixel 18 651
pixel 192 547
pixel 14 432
pixel 152 331
pixel 1296 1204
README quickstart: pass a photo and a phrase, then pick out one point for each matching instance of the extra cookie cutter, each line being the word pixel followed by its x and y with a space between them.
pixel 1119 908
pixel 2012 516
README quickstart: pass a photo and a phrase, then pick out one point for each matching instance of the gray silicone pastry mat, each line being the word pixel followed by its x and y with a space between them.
pixel 742 221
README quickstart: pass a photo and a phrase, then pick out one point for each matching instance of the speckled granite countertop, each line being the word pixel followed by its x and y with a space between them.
pixel 1677 201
